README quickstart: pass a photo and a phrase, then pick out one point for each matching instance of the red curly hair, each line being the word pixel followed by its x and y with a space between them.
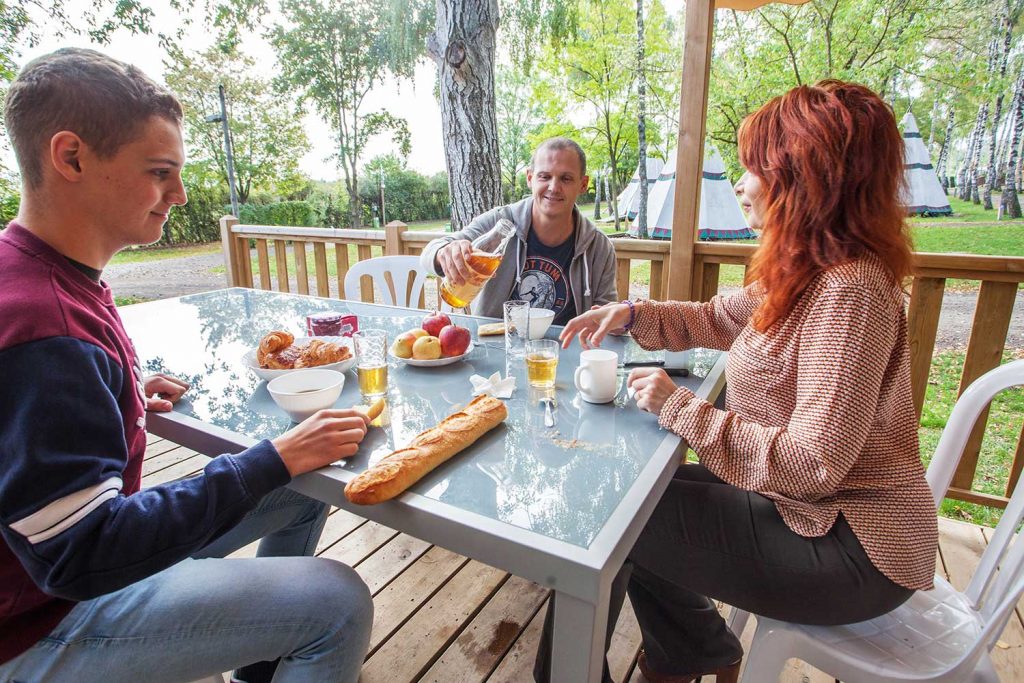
pixel 830 161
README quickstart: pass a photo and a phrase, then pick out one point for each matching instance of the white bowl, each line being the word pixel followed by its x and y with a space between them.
pixel 301 393
pixel 540 321
pixel 263 373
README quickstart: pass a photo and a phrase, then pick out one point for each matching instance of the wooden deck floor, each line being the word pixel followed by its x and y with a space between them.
pixel 443 618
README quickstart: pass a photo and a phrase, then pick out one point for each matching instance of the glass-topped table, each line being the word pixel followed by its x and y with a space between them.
pixel 558 505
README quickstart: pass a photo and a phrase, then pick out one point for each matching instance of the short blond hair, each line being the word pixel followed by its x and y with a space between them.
pixel 561 142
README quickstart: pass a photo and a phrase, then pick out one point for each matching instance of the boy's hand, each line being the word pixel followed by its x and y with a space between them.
pixel 163 391
pixel 327 437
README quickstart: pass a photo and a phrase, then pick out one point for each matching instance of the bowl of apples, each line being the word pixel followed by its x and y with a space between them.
pixel 436 342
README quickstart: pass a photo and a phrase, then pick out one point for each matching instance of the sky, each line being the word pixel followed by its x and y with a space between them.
pixel 412 100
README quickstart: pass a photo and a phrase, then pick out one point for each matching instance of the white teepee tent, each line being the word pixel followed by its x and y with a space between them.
pixel 925 195
pixel 629 198
pixel 721 217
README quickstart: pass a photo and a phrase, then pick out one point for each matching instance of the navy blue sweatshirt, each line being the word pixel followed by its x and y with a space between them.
pixel 73 523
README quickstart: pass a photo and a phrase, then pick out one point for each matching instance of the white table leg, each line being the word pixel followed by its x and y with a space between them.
pixel 577 653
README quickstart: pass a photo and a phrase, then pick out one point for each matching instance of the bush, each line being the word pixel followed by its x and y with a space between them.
pixel 9 203
pixel 197 221
pixel 294 213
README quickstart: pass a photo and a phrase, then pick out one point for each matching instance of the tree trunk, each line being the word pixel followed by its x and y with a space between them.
pixel 463 47
pixel 940 165
pixel 597 196
pixel 1009 205
pixel 990 172
pixel 641 125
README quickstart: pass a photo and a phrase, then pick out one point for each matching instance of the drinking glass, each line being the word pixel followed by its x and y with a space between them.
pixel 517 323
pixel 371 361
pixel 541 362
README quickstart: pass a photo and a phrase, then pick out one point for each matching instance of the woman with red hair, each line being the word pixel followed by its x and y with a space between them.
pixel 809 503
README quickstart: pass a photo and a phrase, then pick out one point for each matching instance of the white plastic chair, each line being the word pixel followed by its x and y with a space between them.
pixel 399 269
pixel 937 635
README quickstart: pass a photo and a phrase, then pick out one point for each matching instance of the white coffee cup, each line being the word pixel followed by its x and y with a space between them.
pixel 596 377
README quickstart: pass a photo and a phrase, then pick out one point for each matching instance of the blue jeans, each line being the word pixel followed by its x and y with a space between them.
pixel 207 615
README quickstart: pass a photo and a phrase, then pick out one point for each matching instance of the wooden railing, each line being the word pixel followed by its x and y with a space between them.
pixel 999 279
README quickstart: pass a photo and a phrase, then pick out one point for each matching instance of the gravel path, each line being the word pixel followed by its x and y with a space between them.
pixel 191 274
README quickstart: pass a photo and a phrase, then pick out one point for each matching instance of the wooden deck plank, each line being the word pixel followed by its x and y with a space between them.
pixel 159 448
pixel 340 523
pixel 166 459
pixel 483 643
pixel 360 543
pixel 180 470
pixel 152 438
pixel 415 586
pixel 379 569
pixel 417 643
pixel 625 645
pixel 517 666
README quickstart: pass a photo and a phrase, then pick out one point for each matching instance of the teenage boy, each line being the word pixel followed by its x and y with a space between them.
pixel 100 580
pixel 558 260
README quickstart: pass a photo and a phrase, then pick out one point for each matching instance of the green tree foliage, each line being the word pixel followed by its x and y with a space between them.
pixel 593 76
pixel 408 195
pixel 267 135
pixel 519 120
pixel 199 220
pixel 332 54
pixel 912 52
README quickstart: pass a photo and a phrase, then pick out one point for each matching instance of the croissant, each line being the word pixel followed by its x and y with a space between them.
pixel 285 359
pixel 277 340
pixel 318 352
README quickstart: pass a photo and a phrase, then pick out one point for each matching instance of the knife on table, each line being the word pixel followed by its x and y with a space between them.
pixel 671 371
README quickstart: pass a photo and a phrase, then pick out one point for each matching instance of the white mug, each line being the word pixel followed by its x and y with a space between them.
pixel 597 377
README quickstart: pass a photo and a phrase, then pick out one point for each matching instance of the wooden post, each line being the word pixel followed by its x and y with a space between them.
pixel 393 238
pixel 230 248
pixel 693 106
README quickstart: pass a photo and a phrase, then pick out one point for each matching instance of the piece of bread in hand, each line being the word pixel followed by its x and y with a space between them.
pixel 404 467
pixel 373 410
pixel 490 329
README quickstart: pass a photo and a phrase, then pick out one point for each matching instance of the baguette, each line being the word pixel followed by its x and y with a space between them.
pixel 490 329
pixel 404 467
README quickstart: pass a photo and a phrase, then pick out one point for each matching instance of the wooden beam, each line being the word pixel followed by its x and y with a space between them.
pixel 693 106
pixel 923 325
pixel 229 248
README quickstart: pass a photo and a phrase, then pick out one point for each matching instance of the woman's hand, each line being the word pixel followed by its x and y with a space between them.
pixel 595 324
pixel 652 386
pixel 163 391
pixel 326 437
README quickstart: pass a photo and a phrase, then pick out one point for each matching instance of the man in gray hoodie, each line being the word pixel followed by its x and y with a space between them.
pixel 558 260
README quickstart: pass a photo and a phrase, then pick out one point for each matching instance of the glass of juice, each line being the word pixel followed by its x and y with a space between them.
pixel 372 361
pixel 541 362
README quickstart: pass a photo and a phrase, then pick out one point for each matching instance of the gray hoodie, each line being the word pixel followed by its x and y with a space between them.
pixel 591 273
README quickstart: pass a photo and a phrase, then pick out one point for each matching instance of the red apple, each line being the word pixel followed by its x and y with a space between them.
pixel 454 340
pixel 434 322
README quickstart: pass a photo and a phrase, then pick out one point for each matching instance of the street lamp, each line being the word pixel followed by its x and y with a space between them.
pixel 222 118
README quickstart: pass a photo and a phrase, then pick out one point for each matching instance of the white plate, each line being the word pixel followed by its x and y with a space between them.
pixel 433 363
pixel 250 358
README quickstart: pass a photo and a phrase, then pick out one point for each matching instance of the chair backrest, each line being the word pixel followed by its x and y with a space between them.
pixel 399 269
pixel 999 572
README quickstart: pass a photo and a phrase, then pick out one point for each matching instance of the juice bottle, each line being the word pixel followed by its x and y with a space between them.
pixel 488 251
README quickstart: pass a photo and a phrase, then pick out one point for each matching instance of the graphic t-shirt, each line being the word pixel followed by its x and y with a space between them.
pixel 545 278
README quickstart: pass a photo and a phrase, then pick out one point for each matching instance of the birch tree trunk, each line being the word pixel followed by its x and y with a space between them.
pixel 641 126
pixel 463 47
pixel 1009 205
pixel 990 172
pixel 940 165
pixel 597 196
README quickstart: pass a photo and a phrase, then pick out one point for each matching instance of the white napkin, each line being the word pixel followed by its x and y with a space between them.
pixel 494 385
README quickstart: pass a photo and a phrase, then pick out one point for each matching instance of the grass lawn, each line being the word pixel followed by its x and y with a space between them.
pixel 140 254
pixel 1001 435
